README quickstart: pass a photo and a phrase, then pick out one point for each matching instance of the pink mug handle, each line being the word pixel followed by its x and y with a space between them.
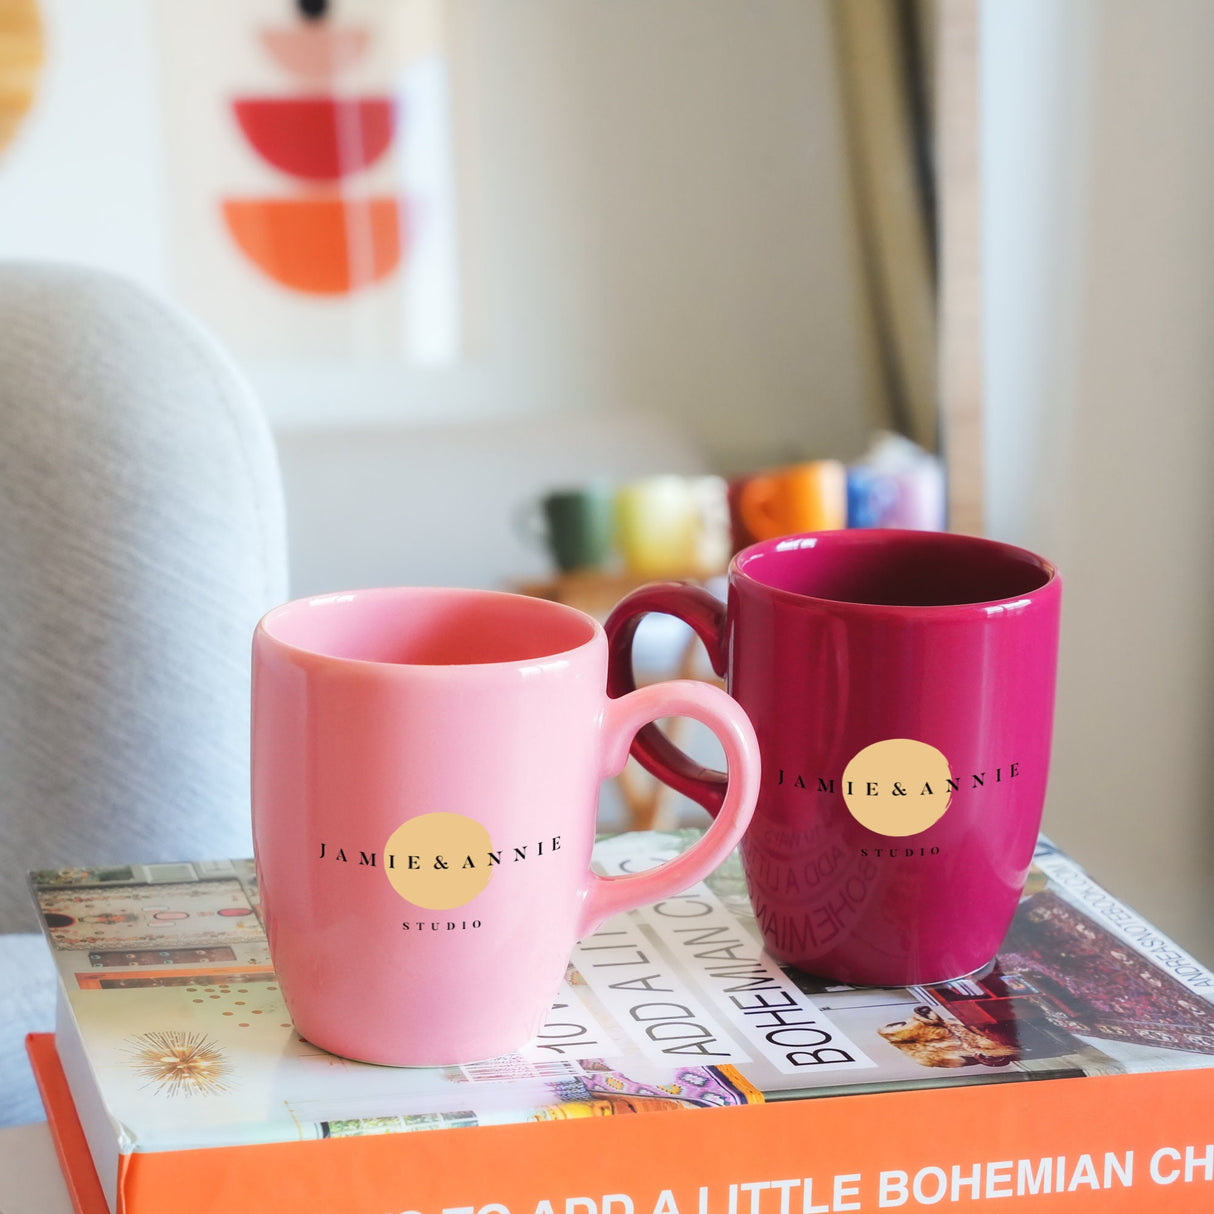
pixel 655 752
pixel 636 711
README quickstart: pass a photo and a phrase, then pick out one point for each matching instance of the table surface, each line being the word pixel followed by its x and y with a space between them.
pixel 30 1181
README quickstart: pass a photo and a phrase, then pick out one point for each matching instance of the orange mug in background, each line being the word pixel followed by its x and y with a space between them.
pixel 811 496
pixel 673 526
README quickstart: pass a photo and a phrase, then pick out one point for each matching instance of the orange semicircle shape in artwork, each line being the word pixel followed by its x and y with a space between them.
pixel 317 138
pixel 320 246
pixel 317 51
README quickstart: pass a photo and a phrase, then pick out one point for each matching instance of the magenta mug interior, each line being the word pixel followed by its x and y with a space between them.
pixel 902 688
pixel 894 568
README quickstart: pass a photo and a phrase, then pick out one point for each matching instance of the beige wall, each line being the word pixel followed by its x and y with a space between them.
pixel 656 222
pixel 1099 125
pixel 659 215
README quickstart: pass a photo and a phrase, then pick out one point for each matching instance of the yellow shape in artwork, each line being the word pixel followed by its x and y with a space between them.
pixel 21 55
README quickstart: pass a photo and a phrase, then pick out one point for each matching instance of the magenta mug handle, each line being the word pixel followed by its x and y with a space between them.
pixel 622 719
pixel 655 752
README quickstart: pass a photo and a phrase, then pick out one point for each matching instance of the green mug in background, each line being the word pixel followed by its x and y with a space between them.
pixel 575 525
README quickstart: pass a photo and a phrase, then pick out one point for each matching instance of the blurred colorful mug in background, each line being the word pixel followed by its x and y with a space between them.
pixel 896 484
pixel 676 526
pixel 575 525
pixel 673 526
pixel 809 496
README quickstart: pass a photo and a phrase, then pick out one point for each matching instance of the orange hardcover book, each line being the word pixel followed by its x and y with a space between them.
pixel 71 1146
pixel 1117 1143
pixel 1075 1073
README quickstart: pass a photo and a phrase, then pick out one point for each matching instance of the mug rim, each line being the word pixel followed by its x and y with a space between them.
pixel 310 655
pixel 877 537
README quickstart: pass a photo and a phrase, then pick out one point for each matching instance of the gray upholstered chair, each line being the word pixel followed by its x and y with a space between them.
pixel 141 537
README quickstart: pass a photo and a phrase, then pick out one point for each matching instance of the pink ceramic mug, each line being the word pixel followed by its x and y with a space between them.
pixel 426 766
pixel 902 687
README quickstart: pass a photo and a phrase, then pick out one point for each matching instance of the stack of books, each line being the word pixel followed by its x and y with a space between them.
pixel 680 1071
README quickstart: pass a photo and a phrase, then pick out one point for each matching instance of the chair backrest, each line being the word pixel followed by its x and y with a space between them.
pixel 141 537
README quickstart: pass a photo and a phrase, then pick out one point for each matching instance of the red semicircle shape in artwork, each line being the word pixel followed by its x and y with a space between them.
pixel 320 246
pixel 318 138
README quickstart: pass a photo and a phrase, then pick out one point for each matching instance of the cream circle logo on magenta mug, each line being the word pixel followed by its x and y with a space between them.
pixel 901 684
pixel 897 787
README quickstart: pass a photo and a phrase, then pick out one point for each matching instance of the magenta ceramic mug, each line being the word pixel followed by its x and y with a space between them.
pixel 426 767
pixel 901 684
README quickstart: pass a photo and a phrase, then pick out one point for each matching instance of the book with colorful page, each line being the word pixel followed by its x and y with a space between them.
pixel 193 1091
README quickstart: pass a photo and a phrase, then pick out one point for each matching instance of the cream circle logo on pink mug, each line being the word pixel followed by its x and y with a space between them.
pixel 445 860
pixel 426 767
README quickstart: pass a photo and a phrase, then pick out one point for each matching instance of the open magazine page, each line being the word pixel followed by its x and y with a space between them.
pixel 176 1019
pixel 1110 976
pixel 176 1016
pixel 1081 986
